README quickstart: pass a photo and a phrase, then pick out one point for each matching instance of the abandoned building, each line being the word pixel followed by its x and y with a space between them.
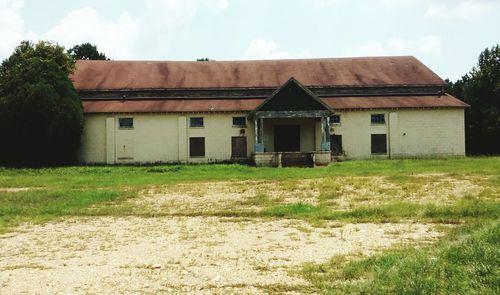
pixel 273 112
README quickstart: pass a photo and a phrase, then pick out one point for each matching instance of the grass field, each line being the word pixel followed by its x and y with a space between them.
pixel 461 196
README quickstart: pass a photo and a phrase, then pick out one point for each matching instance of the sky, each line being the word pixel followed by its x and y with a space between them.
pixel 446 35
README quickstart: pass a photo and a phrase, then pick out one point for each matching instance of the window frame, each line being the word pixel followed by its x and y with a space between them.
pixel 385 147
pixel 376 121
pixel 239 125
pixel 200 155
pixel 123 127
pixel 192 120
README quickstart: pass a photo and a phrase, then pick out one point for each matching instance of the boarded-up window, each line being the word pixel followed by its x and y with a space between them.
pixel 238 147
pixel 379 144
pixel 336 144
pixel 196 147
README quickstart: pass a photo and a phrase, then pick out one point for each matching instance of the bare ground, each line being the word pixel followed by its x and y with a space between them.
pixel 212 255
pixel 342 193
pixel 203 255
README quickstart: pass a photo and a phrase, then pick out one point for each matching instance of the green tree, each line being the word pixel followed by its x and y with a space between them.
pixel 481 89
pixel 86 51
pixel 41 116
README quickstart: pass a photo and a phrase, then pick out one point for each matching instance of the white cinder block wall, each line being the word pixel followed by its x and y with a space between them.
pixel 158 138
pixel 410 132
pixel 165 137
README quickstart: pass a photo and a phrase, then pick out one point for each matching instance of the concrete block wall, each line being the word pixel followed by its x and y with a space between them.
pixel 165 137
pixel 266 159
pixel 159 138
pixel 410 133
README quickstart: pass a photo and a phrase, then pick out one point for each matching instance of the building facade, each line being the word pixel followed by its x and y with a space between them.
pixel 274 113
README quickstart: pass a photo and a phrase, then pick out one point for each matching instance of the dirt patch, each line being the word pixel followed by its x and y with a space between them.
pixel 16 189
pixel 340 193
pixel 202 255
pixel 215 196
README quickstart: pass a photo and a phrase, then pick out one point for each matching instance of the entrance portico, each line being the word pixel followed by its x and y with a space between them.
pixel 292 127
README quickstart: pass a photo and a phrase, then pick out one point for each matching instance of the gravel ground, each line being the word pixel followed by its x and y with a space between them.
pixel 179 255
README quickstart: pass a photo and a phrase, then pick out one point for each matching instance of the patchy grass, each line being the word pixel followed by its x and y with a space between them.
pixel 426 189
pixel 460 191
pixel 143 176
pixel 394 212
pixel 465 263
pixel 42 205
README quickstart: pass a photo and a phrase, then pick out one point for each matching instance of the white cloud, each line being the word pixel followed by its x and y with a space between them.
pixel 459 9
pixel 263 49
pixel 217 5
pixel 328 3
pixel 123 38
pixel 86 25
pixel 428 45
pixel 396 3
pixel 12 29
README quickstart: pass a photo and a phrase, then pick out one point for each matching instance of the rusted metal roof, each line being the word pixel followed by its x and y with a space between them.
pixel 330 72
pixel 388 102
pixel 247 105
pixel 171 106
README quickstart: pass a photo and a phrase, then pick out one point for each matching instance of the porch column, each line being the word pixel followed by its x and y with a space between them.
pixel 325 134
pixel 259 135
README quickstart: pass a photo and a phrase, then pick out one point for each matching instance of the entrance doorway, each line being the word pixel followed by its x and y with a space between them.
pixel 287 138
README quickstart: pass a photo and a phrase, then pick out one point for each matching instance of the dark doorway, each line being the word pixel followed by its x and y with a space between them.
pixel 336 144
pixel 287 138
pixel 238 147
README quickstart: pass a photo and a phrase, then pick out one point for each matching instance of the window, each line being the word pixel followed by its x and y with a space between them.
pixel 196 147
pixel 379 144
pixel 196 122
pixel 238 147
pixel 335 119
pixel 378 119
pixel 240 121
pixel 336 144
pixel 126 123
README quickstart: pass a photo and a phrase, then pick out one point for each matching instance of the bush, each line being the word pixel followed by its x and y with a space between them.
pixel 41 116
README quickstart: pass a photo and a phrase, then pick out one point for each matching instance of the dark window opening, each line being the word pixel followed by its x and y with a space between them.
pixel 378 119
pixel 126 123
pixel 196 122
pixel 379 144
pixel 336 144
pixel 238 147
pixel 335 119
pixel 240 121
pixel 196 147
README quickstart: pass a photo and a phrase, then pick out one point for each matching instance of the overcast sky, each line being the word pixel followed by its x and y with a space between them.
pixel 447 35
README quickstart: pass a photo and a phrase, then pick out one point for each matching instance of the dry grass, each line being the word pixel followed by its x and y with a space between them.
pixel 339 193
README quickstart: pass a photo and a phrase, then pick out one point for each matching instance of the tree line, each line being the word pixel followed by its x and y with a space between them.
pixel 480 88
pixel 41 114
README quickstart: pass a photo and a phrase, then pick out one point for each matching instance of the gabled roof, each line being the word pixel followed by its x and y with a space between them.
pixel 292 96
pixel 327 72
